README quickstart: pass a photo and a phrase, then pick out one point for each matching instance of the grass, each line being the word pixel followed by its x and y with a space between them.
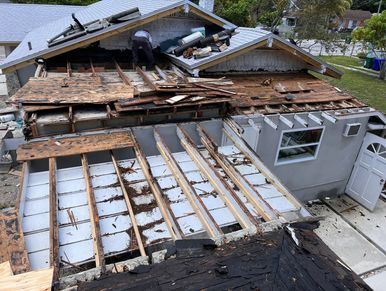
pixel 366 88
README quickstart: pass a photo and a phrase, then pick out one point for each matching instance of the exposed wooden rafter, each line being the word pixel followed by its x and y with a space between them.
pixel 199 207
pixel 94 216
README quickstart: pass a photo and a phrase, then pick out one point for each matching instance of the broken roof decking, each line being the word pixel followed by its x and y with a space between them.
pixel 149 10
pixel 174 182
pixel 247 39
pixel 243 93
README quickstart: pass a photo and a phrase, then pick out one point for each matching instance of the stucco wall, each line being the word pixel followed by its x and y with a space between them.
pixel 267 60
pixel 329 173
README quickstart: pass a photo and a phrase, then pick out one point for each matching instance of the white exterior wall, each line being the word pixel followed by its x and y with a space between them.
pixel 161 30
pixel 3 84
pixel 267 60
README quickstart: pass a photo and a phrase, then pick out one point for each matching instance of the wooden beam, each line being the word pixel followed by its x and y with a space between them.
pixel 227 194
pixel 213 230
pixel 69 70
pixel 54 228
pixel 121 74
pixel 92 67
pixel 263 208
pixel 164 76
pixel 129 206
pixel 163 205
pixel 315 118
pixel 329 117
pixel 301 120
pixel 146 78
pixel 286 121
pixel 249 153
pixel 268 121
pixel 94 216
pixel 61 147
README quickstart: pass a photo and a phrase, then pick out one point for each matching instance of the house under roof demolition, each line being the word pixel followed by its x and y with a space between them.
pixel 124 164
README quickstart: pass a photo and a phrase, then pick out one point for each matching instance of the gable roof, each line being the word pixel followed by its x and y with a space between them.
pixel 149 10
pixel 357 15
pixel 247 39
pixel 32 15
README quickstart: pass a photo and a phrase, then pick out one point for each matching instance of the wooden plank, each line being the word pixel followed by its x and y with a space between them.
pixel 213 230
pixel 163 205
pixel 129 207
pixel 249 191
pixel 31 281
pixel 54 230
pixel 227 194
pixel 5 270
pixel 80 89
pixel 60 147
pixel 94 216
pixel 146 78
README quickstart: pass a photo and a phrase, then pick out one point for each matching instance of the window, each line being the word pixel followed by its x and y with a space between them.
pixel 299 145
pixel 291 22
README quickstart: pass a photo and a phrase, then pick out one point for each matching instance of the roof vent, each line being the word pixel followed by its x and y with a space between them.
pixel 207 4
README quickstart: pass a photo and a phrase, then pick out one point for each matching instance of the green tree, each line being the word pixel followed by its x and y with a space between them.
pixel 368 5
pixel 374 33
pixel 239 12
pixel 315 17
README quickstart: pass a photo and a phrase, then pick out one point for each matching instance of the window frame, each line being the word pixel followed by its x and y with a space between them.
pixel 299 160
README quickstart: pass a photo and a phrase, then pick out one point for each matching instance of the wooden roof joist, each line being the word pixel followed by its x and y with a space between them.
pixel 61 147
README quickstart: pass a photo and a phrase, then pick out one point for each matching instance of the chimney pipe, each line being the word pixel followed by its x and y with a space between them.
pixel 207 4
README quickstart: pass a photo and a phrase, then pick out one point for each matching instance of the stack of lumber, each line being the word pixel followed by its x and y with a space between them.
pixel 173 87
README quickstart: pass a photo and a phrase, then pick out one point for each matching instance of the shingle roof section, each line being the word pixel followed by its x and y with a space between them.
pixel 357 15
pixel 102 9
pixel 16 20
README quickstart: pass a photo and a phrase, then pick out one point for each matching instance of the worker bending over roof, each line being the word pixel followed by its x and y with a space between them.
pixel 143 39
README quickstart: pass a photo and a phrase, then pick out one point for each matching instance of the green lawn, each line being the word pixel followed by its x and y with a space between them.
pixel 369 89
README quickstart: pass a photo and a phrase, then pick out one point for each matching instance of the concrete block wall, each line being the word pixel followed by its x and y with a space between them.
pixel 161 30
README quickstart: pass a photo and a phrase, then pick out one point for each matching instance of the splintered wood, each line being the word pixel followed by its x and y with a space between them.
pixel 72 90
pixel 53 148
pixel 12 246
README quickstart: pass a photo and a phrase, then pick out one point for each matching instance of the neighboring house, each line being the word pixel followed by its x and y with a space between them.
pixel 16 20
pixel 353 19
pixel 123 161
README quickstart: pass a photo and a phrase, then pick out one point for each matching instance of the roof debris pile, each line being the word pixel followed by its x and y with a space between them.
pixel 72 95
pixel 269 262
